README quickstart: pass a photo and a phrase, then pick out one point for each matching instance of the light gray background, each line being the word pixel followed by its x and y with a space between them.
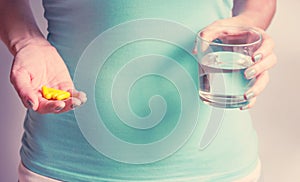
pixel 276 116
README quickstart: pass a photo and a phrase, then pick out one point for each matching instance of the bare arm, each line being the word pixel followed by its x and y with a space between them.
pixel 257 13
pixel 18 27
pixel 36 61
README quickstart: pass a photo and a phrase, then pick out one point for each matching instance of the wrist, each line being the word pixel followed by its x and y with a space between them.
pixel 245 20
pixel 254 19
pixel 22 42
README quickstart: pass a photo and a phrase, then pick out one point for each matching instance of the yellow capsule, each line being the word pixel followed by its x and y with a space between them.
pixel 53 90
pixel 48 96
pixel 55 94
pixel 44 90
pixel 63 96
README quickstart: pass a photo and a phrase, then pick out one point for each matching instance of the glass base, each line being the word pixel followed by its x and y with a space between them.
pixel 224 101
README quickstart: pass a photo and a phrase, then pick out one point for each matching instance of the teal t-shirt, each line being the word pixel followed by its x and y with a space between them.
pixel 143 120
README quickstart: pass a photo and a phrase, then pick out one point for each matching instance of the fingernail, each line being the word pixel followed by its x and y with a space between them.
pixel 73 106
pixel 218 41
pixel 249 95
pixel 257 57
pixel 244 107
pixel 30 104
pixel 250 73
pixel 58 108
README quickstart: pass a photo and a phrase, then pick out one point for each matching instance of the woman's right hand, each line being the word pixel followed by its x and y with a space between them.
pixel 38 64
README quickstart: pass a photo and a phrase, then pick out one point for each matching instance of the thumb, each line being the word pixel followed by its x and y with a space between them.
pixel 21 80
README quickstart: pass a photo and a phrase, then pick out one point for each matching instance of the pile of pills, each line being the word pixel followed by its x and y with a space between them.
pixel 54 94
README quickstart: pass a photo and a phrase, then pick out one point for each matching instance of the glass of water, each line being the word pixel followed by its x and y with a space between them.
pixel 222 62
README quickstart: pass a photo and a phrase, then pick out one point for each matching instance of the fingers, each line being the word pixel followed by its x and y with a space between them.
pixel 50 106
pixel 212 31
pixel 250 105
pixel 21 81
pixel 29 98
pixel 81 96
pixel 264 59
pixel 53 106
pixel 77 99
pixel 267 46
pixel 207 35
pixel 260 84
pixel 261 66
pixel 33 99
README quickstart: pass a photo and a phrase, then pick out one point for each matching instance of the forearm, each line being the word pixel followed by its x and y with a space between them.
pixel 258 13
pixel 18 27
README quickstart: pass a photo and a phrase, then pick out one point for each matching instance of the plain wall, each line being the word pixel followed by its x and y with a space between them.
pixel 276 116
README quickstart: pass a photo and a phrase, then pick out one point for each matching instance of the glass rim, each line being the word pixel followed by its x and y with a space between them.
pixel 250 29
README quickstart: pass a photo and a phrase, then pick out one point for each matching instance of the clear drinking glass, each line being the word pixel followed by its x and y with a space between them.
pixel 222 62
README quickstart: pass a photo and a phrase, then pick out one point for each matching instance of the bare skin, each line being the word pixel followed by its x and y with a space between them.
pixel 36 61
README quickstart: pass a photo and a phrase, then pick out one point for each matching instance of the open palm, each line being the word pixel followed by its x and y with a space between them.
pixel 38 65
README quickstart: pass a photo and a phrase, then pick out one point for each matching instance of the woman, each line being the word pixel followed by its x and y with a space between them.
pixel 55 147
